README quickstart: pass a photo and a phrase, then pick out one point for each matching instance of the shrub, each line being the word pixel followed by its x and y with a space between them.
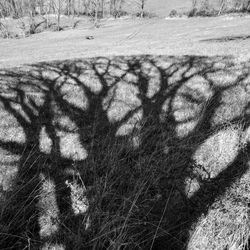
pixel 120 13
pixel 173 13
pixel 192 12
pixel 204 11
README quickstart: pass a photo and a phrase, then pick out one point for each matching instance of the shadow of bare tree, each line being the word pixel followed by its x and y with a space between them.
pixel 227 39
pixel 122 152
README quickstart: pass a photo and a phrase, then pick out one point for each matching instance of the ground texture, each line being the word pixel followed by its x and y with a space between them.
pixel 142 145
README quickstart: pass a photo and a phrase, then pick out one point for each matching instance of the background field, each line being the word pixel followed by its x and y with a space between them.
pixel 127 37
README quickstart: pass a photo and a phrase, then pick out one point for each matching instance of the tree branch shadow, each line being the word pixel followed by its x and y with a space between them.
pixel 111 126
pixel 227 39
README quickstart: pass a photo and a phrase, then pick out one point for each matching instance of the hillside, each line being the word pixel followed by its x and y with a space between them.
pixel 133 135
pixel 198 36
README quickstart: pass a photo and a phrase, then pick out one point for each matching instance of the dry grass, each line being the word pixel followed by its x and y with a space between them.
pixel 26 26
pixel 226 226
pixel 148 182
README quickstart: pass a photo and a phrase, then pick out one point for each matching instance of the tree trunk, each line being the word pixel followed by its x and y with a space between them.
pixel 59 15
pixel 52 7
pixel 247 6
pixel 194 4
pixel 68 7
pixel 14 9
pixel 111 8
pixel 222 5
pixel 114 7
pixel 96 11
pixel 41 3
pixel 73 7
pixel 119 8
pixel 102 8
pixel 86 7
pixel 142 8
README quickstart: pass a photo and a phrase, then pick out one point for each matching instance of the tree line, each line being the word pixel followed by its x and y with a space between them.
pixel 96 8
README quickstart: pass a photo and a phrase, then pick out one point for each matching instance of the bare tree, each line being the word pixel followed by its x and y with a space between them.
pixel 194 4
pixel 59 14
pixel 103 7
pixel 97 5
pixel 141 5
pixel 222 6
pixel 57 7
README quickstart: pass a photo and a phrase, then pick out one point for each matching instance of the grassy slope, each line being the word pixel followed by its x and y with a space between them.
pixel 207 120
pixel 129 37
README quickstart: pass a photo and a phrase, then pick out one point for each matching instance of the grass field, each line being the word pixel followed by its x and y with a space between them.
pixel 130 37
pixel 137 139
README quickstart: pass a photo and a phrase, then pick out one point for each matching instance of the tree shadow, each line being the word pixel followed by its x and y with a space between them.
pixel 114 128
pixel 227 39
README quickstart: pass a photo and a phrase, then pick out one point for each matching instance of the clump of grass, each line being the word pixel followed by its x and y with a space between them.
pixel 122 195
pixel 175 13
pixel 122 185
pixel 18 216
